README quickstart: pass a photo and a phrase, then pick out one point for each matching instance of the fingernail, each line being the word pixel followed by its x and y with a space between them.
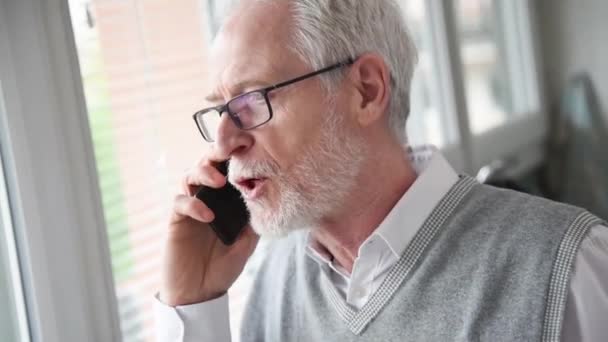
pixel 208 215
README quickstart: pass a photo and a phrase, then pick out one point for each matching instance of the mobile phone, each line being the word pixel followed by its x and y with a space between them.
pixel 231 214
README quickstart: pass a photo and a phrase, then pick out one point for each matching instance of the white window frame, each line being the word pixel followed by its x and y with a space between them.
pixel 11 326
pixel 518 142
pixel 53 183
pixel 51 176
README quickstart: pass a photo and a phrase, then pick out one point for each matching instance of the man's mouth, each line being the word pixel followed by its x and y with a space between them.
pixel 251 188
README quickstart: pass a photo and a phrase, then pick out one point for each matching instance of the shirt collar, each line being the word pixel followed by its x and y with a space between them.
pixel 434 179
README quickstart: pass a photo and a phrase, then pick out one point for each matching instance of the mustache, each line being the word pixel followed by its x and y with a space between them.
pixel 238 169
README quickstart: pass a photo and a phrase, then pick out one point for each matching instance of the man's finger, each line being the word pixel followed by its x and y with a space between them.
pixel 202 176
pixel 186 206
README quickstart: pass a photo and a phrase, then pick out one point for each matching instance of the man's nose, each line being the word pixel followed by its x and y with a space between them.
pixel 231 140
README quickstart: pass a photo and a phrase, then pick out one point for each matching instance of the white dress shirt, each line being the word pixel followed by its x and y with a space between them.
pixel 586 307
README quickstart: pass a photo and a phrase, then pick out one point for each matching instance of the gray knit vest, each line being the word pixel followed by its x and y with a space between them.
pixel 487 265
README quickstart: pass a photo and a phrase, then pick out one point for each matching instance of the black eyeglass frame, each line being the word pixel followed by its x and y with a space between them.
pixel 225 108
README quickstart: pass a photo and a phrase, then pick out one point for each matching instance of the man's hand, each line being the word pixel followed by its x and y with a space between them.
pixel 198 267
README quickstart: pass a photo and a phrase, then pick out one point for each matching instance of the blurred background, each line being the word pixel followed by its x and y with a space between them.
pixel 514 92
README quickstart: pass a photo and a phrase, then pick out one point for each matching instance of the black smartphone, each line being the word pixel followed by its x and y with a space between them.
pixel 231 214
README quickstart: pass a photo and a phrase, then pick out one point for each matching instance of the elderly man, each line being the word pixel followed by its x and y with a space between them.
pixel 380 242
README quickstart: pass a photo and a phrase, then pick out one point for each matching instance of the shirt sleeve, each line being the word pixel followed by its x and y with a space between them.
pixel 587 303
pixel 207 321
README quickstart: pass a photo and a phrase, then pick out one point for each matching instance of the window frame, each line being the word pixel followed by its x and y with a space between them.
pixel 57 212
pixel 519 141
pixel 58 216
pixel 17 326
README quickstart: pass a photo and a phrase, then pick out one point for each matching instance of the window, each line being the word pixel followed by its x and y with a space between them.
pixel 491 63
pixel 13 321
pixel 500 78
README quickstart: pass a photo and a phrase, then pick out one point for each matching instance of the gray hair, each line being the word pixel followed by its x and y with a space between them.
pixel 330 31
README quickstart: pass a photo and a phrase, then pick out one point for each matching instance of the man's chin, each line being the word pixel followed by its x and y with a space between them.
pixel 270 231
pixel 274 227
pixel 277 221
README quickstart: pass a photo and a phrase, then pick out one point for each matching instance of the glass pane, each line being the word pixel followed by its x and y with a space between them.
pixel 490 60
pixel 427 123
pixel 13 320
pixel 141 64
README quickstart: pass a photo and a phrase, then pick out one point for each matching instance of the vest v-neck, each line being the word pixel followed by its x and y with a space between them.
pixel 357 320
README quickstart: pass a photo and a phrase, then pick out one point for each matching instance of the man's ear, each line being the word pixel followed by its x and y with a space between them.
pixel 371 78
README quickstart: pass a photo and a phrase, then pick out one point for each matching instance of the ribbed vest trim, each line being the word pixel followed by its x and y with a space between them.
pixel 560 275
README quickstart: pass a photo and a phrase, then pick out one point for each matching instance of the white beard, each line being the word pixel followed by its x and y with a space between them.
pixel 314 187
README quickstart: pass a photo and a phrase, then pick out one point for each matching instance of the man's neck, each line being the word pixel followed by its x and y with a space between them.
pixel 382 183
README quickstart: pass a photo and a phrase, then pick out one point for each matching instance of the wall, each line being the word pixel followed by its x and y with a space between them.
pixel 574 38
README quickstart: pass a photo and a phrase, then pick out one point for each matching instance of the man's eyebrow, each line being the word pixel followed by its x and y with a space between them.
pixel 237 89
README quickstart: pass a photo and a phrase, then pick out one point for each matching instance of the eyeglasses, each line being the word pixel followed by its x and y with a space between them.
pixel 249 110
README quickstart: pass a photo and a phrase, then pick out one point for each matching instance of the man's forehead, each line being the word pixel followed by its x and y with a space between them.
pixel 251 47
pixel 237 79
pixel 233 55
pixel 239 72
